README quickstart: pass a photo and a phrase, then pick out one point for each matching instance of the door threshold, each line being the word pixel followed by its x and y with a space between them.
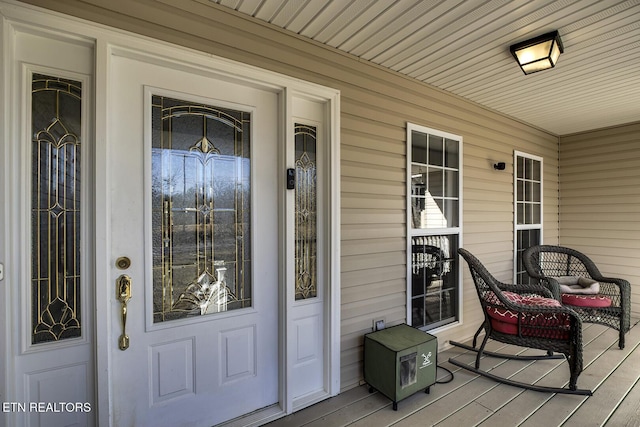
pixel 256 418
pixel 310 399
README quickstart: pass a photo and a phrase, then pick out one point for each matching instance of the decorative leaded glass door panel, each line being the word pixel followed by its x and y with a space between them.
pixel 194 207
pixel 201 207
pixel 306 212
pixel 55 204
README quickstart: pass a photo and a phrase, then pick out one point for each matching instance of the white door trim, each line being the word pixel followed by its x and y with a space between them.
pixel 327 254
pixel 108 41
pixel 6 166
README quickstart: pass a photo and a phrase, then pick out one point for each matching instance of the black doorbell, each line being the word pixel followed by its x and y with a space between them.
pixel 291 179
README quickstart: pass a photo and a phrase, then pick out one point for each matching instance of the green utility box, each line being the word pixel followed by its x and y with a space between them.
pixel 399 361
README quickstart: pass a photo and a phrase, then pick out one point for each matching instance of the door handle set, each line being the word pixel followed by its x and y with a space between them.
pixel 123 294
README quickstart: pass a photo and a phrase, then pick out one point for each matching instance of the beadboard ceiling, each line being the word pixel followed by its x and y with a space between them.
pixel 462 46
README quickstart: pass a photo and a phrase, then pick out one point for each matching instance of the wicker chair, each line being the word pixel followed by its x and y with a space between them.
pixel 526 316
pixel 610 305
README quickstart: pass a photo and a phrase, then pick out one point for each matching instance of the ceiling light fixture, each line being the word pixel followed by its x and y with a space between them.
pixel 539 53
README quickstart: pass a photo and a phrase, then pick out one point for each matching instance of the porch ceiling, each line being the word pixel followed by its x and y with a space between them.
pixel 462 46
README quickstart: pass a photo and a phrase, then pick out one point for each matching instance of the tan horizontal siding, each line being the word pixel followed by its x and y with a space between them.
pixel 376 288
pixel 378 201
pixel 371 142
pixel 361 169
pixel 376 105
pixel 360 185
pixel 600 200
pixel 360 231
pixel 366 261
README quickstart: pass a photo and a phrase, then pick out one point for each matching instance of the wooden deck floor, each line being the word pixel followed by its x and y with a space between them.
pixel 470 400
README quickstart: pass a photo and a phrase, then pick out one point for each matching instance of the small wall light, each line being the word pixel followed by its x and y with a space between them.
pixel 500 166
pixel 539 53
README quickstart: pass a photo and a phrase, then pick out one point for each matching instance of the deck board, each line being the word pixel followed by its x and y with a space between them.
pixel 609 394
pixel 617 373
pixel 472 400
pixel 602 358
pixel 463 408
pixel 416 402
pixel 322 409
pixel 627 414
pixel 355 411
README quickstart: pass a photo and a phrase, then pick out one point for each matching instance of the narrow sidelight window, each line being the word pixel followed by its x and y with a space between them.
pixel 56 123
pixel 306 213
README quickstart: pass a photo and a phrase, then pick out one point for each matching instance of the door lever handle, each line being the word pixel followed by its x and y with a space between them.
pixel 123 294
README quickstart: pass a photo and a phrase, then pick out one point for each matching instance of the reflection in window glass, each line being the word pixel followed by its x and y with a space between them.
pixel 434 280
pixel 436 148
pixel 528 209
pixel 434 181
pixel 451 184
pixel 451 153
pixel 528 190
pixel 419 147
pixel 201 227
pixel 434 228
pixel 525 239
pixel 451 207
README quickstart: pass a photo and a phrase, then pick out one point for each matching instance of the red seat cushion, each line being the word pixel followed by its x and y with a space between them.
pixel 506 321
pixel 594 301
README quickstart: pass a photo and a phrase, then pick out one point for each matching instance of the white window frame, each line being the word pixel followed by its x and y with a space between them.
pixel 415 232
pixel 518 227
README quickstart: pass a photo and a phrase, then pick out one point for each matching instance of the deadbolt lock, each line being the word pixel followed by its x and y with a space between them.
pixel 123 263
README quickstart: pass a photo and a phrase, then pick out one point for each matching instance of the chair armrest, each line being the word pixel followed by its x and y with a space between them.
pixel 623 284
pixel 552 286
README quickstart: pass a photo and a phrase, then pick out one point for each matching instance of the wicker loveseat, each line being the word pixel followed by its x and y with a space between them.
pixel 526 316
pixel 603 300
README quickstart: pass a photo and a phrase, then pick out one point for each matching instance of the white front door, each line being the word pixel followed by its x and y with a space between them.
pixel 194 231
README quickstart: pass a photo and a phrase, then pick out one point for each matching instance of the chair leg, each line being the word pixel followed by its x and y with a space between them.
pixel 573 375
pixel 574 359
pixel 475 337
pixel 621 339
pixel 480 350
